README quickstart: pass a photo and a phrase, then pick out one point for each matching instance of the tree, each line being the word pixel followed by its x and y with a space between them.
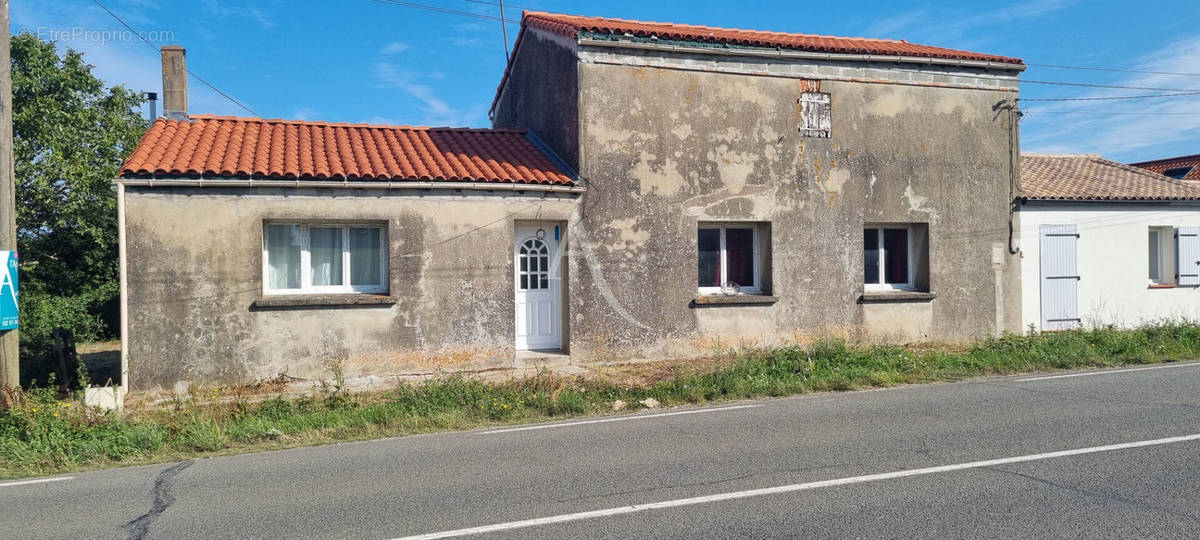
pixel 70 136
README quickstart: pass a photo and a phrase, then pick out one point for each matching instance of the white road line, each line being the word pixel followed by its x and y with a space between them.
pixel 36 481
pixel 1107 372
pixel 565 518
pixel 618 419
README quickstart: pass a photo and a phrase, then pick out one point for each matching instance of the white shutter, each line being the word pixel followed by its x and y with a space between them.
pixel 1060 277
pixel 1187 250
pixel 815 118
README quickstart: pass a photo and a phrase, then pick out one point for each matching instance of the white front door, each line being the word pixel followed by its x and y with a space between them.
pixel 536 281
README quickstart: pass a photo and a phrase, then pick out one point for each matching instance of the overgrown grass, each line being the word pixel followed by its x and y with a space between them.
pixel 40 434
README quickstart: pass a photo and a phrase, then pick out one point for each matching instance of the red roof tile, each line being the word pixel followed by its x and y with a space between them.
pixel 572 25
pixel 252 147
pixel 1190 163
pixel 1086 177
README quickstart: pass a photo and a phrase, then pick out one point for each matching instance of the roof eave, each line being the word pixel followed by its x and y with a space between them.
pixel 764 52
pixel 1052 200
pixel 187 181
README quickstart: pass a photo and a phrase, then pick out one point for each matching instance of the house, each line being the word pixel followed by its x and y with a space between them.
pixel 1179 168
pixel 1106 244
pixel 648 190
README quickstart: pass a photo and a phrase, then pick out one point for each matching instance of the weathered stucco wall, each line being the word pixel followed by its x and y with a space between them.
pixel 541 93
pixel 194 259
pixel 664 148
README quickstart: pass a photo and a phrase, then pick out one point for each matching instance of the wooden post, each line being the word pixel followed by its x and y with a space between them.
pixel 9 344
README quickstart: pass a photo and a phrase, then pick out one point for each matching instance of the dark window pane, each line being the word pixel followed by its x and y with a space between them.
pixel 544 264
pixel 524 263
pixel 895 248
pixel 709 257
pixel 739 254
pixel 871 256
pixel 524 282
pixel 1155 257
pixel 545 282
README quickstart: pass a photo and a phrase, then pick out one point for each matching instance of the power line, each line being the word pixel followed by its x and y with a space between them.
pixel 447 11
pixel 1107 98
pixel 1130 113
pixel 486 3
pixel 189 72
pixel 1117 86
pixel 1186 91
pixel 1114 70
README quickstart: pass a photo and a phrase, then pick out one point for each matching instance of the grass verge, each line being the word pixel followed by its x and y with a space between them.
pixel 41 434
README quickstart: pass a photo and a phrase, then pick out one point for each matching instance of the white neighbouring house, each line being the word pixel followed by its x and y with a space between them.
pixel 1105 243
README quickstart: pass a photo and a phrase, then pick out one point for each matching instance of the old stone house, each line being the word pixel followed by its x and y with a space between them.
pixel 648 190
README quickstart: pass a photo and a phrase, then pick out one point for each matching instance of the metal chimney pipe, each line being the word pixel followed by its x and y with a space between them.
pixel 152 99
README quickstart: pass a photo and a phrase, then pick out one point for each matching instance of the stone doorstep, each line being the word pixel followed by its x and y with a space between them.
pixel 541 359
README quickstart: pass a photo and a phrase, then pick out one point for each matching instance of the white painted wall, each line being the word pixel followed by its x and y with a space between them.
pixel 1114 286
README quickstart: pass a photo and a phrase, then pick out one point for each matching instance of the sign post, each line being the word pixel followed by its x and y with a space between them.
pixel 9 310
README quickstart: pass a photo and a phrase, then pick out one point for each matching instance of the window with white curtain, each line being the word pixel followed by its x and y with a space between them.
pixel 300 258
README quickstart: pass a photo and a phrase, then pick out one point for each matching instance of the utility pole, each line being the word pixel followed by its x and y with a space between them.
pixel 9 344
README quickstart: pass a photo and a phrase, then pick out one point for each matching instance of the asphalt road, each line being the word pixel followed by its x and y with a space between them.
pixel 999 458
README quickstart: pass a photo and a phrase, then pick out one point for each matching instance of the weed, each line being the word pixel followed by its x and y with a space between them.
pixel 40 433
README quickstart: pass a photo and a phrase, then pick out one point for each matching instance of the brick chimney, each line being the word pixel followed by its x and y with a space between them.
pixel 174 80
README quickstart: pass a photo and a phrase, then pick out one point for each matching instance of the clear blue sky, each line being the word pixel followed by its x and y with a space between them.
pixel 365 61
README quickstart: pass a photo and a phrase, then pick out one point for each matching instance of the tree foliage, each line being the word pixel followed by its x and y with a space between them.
pixel 70 136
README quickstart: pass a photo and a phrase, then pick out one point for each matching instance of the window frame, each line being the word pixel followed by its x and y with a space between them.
pixel 882 286
pixel 756 257
pixel 1166 255
pixel 306 286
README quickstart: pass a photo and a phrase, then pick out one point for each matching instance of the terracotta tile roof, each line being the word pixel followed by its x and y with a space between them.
pixel 572 25
pixel 252 147
pixel 1092 178
pixel 1161 166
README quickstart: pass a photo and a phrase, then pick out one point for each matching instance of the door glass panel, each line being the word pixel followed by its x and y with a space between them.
pixel 871 256
pixel 709 257
pixel 533 267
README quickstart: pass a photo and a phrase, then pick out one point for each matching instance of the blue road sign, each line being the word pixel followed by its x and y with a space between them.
pixel 9 317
